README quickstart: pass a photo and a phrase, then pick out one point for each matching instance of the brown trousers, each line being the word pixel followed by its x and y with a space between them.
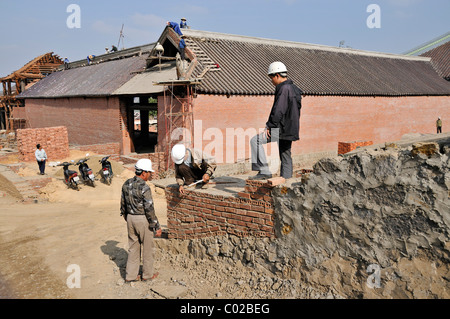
pixel 139 236
pixel 191 175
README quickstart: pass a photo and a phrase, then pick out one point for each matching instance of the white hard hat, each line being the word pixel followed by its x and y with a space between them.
pixel 178 153
pixel 144 164
pixel 277 67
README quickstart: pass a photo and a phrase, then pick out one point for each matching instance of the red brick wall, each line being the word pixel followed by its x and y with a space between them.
pixel 54 141
pixel 199 214
pixel 88 120
pixel 345 147
pixel 326 120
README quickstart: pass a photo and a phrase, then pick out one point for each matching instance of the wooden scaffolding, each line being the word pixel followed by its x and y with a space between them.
pixel 178 113
pixel 19 81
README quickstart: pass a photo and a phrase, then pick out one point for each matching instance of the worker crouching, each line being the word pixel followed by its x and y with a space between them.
pixel 192 166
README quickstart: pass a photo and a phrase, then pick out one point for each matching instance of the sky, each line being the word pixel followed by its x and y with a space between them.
pixel 30 28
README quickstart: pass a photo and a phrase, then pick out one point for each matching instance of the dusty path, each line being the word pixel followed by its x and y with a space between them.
pixel 40 241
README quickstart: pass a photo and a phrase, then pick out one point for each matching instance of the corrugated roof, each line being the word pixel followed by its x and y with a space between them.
pixel 440 58
pixel 144 83
pixel 94 80
pixel 316 69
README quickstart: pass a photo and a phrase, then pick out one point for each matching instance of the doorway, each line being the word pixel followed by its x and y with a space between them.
pixel 143 112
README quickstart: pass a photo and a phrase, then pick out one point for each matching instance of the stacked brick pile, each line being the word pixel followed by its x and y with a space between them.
pixel 54 140
pixel 345 147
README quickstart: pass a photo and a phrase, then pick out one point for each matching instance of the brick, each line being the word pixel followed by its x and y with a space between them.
pixel 243 195
pixel 276 181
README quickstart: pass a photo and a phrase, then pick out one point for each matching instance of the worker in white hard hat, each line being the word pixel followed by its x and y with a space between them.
pixel 138 211
pixel 191 166
pixel 282 126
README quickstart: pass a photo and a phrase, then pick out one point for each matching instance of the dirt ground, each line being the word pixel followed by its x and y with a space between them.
pixel 41 241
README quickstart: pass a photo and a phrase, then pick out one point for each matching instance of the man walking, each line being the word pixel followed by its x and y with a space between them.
pixel 41 157
pixel 138 210
pixel 282 126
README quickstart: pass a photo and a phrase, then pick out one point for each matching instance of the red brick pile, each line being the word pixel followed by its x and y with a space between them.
pixel 54 140
pixel 345 147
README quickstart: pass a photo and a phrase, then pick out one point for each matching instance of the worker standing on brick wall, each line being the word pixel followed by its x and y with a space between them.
pixel 191 166
pixel 283 125
pixel 41 157
pixel 138 211
pixel 439 125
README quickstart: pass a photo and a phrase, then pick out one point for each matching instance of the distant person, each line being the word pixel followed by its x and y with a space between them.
pixel 191 166
pixel 138 210
pixel 183 24
pixel 439 125
pixel 41 157
pixel 175 27
pixel 114 48
pixel 90 58
pixel 66 63
pixel 107 50
pixel 182 46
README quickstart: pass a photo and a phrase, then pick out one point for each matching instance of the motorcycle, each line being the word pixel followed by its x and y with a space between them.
pixel 106 171
pixel 71 178
pixel 86 173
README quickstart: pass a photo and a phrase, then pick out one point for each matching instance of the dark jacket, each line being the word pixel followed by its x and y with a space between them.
pixel 137 199
pixel 285 113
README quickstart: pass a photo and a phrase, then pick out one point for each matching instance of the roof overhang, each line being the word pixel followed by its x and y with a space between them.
pixel 145 82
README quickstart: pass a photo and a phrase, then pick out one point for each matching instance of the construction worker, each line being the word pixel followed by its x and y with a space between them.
pixel 439 125
pixel 138 211
pixel 182 46
pixel 192 166
pixel 175 27
pixel 183 24
pixel 282 126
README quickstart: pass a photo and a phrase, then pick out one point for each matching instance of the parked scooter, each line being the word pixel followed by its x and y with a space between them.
pixel 106 171
pixel 71 178
pixel 87 176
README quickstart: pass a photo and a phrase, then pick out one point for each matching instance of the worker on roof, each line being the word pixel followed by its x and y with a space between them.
pixel 113 48
pixel 183 24
pixel 66 63
pixel 282 126
pixel 175 27
pixel 182 46
pixel 192 166
pixel 90 58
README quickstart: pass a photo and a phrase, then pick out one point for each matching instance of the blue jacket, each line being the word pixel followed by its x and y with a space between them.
pixel 182 44
pixel 175 27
